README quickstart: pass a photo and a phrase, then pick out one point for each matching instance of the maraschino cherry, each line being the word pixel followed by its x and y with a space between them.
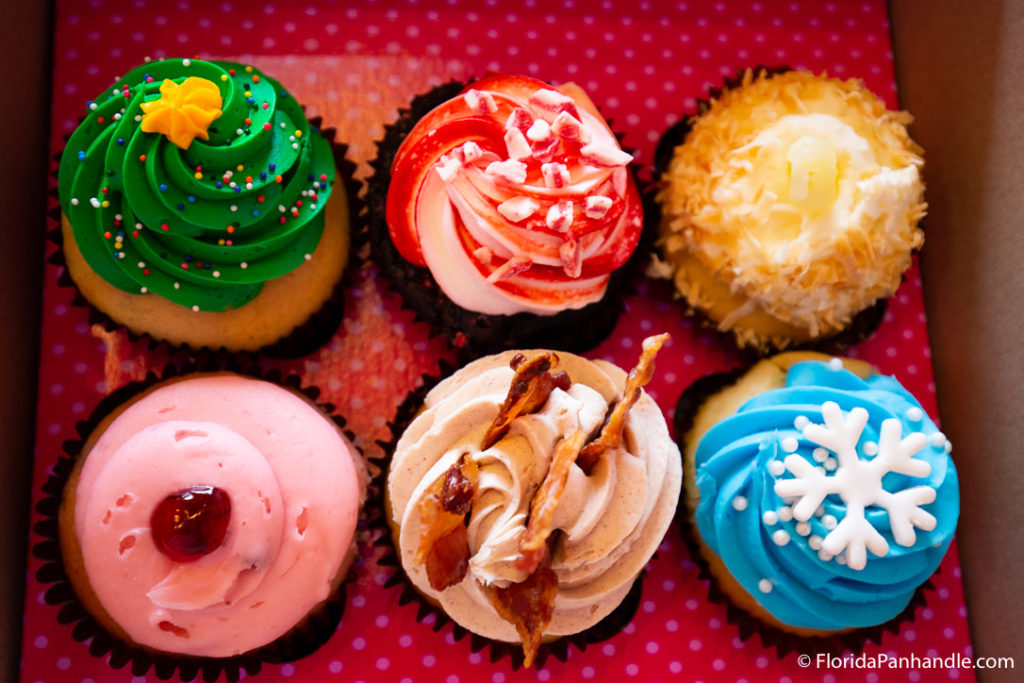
pixel 191 523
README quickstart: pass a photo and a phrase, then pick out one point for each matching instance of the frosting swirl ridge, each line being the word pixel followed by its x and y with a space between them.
pixel 202 219
pixel 610 521
pixel 750 464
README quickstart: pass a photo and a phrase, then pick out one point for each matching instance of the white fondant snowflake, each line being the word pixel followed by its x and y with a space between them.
pixel 859 483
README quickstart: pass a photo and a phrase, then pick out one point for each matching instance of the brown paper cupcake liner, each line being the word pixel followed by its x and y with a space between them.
pixel 479 334
pixel 304 339
pixel 432 615
pixel 771 637
pixel 302 640
pixel 861 326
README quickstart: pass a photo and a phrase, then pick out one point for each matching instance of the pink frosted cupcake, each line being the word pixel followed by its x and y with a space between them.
pixel 212 517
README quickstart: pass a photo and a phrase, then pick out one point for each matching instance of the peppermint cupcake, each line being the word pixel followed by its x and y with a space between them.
pixel 529 492
pixel 789 208
pixel 504 211
pixel 201 208
pixel 208 522
pixel 820 494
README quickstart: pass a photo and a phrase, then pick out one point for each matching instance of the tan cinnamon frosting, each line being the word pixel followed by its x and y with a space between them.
pixel 611 520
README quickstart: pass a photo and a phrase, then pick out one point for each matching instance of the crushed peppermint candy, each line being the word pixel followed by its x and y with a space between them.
pixel 604 155
pixel 480 102
pixel 571 253
pixel 510 171
pixel 510 268
pixel 597 206
pixel 518 208
pixel 555 175
pixel 540 130
pixel 559 216
pixel 516 144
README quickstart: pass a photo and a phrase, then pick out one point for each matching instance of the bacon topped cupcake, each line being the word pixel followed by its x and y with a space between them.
pixel 502 210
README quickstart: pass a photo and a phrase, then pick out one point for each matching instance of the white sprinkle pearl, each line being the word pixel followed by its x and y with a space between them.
pixel 739 503
pixel 915 414
pixel 777 468
pixel 785 513
pixel 831 464
pixel 801 422
pixel 824 555
pixel 870 448
pixel 836 364
pixel 814 542
pixel 819 455
pixel 829 522
pixel 790 444
pixel 781 537
pixel 803 528
pixel 937 439
pixel 770 518
pixel 195 308
pixel 764 585
pixel 186 62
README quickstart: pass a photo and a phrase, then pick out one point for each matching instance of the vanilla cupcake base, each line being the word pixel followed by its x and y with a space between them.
pixel 284 304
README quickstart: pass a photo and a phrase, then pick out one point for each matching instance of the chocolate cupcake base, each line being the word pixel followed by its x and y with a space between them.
pixel 479 334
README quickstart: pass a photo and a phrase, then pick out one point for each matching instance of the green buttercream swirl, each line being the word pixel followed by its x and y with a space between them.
pixel 150 217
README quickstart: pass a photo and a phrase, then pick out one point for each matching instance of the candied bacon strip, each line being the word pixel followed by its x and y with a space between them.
pixel 615 422
pixel 531 386
pixel 444 546
pixel 533 542
pixel 529 605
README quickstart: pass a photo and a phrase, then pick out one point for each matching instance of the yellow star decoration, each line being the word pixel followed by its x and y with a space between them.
pixel 183 112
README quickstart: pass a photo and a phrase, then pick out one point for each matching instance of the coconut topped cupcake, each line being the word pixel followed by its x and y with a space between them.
pixel 791 206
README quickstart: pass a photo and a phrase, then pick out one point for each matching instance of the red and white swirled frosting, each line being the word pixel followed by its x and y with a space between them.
pixel 515 194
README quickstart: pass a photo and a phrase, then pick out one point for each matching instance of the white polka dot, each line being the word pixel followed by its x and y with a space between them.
pixel 696 645
pixel 335 667
pixel 359 644
pixel 287 670
pixel 632 669
pixel 64 663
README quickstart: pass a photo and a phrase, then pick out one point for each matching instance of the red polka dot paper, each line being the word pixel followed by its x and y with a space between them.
pixel 646 64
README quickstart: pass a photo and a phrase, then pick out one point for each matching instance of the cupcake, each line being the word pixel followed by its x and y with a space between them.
pixel 820 494
pixel 790 208
pixel 211 519
pixel 530 491
pixel 201 208
pixel 503 212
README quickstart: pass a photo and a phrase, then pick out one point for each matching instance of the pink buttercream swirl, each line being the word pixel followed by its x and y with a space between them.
pixel 294 483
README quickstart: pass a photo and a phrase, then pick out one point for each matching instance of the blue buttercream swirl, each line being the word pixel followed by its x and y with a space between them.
pixel 807 588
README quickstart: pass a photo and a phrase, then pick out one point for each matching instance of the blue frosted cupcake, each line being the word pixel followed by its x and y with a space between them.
pixel 819 493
